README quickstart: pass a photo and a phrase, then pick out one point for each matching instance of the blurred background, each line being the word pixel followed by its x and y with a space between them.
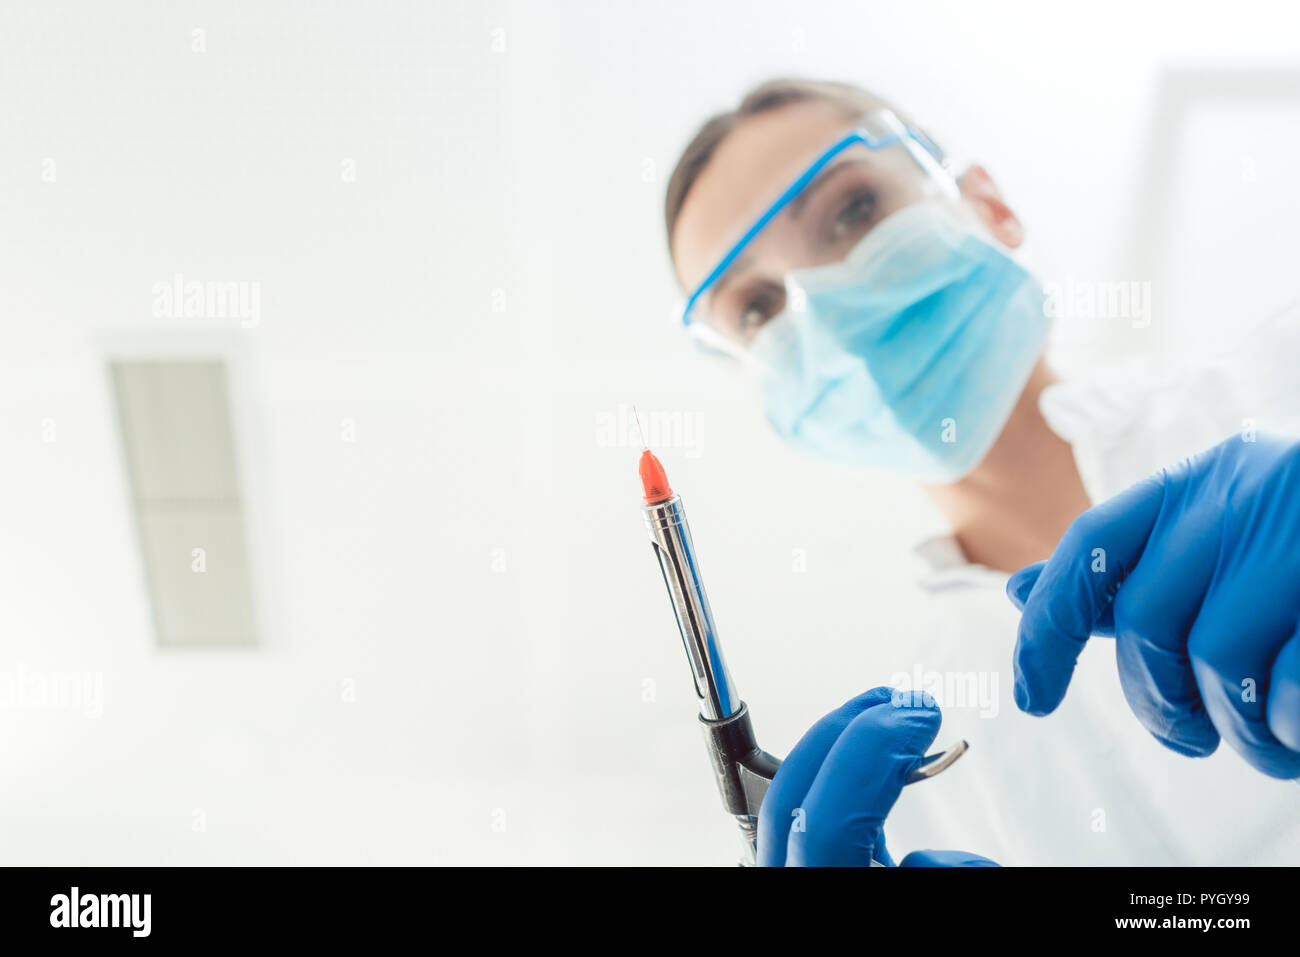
pixel 320 328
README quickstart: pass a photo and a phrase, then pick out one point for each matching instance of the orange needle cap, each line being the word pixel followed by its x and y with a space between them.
pixel 654 480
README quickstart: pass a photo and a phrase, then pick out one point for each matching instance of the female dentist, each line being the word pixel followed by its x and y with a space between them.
pixel 824 243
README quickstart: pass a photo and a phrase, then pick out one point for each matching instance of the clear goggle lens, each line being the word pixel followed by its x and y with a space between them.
pixel 878 169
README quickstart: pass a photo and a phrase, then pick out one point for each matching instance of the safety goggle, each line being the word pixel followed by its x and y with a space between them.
pixel 876 169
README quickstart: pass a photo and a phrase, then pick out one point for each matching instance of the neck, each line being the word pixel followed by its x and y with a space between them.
pixel 1017 503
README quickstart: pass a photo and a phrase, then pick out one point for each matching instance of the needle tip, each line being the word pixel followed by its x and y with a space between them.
pixel 645 446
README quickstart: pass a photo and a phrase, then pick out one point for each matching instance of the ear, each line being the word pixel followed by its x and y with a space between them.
pixel 978 189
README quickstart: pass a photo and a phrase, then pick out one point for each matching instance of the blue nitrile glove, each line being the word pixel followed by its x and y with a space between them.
pixel 828 801
pixel 1196 573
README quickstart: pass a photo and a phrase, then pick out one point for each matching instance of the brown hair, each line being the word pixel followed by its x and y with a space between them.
pixel 764 97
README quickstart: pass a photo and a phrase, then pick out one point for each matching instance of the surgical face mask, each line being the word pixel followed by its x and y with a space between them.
pixel 908 355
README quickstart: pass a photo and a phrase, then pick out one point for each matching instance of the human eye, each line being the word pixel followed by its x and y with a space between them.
pixel 757 308
pixel 855 213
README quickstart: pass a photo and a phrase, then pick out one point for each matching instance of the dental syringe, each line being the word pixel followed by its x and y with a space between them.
pixel 743 769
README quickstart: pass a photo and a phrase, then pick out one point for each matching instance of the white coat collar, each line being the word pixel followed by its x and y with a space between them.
pixel 1123 424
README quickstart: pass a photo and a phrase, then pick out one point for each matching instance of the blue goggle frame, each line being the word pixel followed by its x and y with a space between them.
pixel 861 135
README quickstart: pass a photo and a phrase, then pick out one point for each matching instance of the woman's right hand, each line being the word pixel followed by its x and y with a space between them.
pixel 828 802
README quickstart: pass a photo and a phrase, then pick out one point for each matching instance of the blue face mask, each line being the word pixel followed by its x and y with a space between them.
pixel 907 356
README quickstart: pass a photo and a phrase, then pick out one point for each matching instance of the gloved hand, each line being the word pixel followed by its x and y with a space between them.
pixel 828 801
pixel 1196 573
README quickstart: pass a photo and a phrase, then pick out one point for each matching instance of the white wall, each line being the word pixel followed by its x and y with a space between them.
pixel 509 156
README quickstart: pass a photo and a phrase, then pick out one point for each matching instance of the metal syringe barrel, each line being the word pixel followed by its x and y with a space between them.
pixel 743 770
pixel 671 536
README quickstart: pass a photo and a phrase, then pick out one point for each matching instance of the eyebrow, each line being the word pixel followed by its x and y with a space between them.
pixel 828 175
pixel 742 263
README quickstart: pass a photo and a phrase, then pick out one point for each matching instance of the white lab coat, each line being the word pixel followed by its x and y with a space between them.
pixel 1088 785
